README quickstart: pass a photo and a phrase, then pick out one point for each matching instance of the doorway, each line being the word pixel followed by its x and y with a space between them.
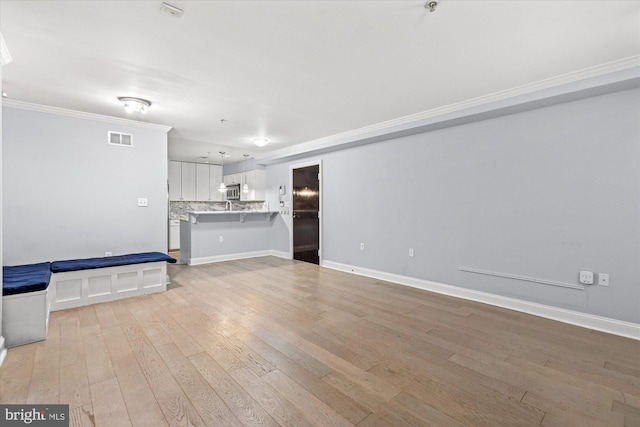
pixel 306 214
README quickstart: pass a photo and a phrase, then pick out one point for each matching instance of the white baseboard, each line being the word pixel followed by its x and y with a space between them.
pixel 241 255
pixel 280 254
pixel 590 321
pixel 3 350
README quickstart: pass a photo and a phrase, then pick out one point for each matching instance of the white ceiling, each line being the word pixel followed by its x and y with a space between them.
pixel 296 71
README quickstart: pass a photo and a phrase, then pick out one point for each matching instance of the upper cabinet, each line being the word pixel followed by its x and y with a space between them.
pixel 175 180
pixel 208 179
pixel 194 182
pixel 255 180
pixel 215 179
pixel 202 177
pixel 188 181
pixel 235 178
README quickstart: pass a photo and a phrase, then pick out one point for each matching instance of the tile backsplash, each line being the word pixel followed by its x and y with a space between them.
pixel 180 210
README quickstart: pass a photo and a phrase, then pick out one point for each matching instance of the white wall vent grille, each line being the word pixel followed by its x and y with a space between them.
pixel 121 139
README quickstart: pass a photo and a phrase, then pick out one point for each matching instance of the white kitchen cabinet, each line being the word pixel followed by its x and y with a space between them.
pixel 188 181
pixel 194 182
pixel 234 178
pixel 175 180
pixel 215 178
pixel 208 179
pixel 174 234
pixel 203 192
pixel 255 179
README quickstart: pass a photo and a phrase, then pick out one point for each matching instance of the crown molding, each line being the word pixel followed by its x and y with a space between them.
pixel 504 101
pixel 81 115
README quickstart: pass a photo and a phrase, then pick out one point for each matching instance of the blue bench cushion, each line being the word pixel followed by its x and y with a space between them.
pixel 20 279
pixel 112 261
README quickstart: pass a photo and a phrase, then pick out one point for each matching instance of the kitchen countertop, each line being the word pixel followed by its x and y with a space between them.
pixel 229 212
pixel 242 213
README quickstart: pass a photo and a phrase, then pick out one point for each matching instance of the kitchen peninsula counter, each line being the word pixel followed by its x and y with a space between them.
pixel 221 235
pixel 231 215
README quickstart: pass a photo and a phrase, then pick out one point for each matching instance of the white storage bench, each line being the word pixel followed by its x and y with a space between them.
pixel 79 282
pixel 25 303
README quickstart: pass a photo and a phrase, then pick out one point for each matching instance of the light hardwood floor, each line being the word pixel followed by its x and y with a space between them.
pixel 275 342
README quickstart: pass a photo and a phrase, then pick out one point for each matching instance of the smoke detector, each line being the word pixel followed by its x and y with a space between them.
pixel 171 10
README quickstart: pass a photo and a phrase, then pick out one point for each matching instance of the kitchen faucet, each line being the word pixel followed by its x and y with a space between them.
pixel 227 205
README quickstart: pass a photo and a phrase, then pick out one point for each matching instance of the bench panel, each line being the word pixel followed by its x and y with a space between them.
pixel 25 318
pixel 126 282
pixel 107 284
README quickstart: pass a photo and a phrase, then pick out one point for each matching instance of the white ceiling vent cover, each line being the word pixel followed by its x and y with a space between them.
pixel 171 10
pixel 121 139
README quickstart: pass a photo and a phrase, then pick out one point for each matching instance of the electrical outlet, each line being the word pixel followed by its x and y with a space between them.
pixel 603 279
pixel 411 253
pixel 586 277
pixel 362 246
pixel 143 202
pixel 108 254
pixel 220 239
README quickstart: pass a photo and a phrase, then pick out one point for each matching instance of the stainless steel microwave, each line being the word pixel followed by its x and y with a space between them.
pixel 233 192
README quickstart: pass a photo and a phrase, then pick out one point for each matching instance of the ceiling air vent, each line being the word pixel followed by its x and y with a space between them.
pixel 121 139
pixel 171 10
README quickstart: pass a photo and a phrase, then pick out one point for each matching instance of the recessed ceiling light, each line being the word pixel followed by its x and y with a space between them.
pixel 134 104
pixel 260 142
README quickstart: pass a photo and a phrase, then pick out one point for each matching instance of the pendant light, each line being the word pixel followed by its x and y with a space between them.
pixel 222 188
pixel 245 187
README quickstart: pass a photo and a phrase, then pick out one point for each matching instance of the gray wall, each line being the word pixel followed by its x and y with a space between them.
pixel 68 194
pixel 241 166
pixel 202 239
pixel 543 193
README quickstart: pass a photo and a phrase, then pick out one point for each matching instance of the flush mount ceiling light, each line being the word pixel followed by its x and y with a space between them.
pixel 260 142
pixel 137 105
